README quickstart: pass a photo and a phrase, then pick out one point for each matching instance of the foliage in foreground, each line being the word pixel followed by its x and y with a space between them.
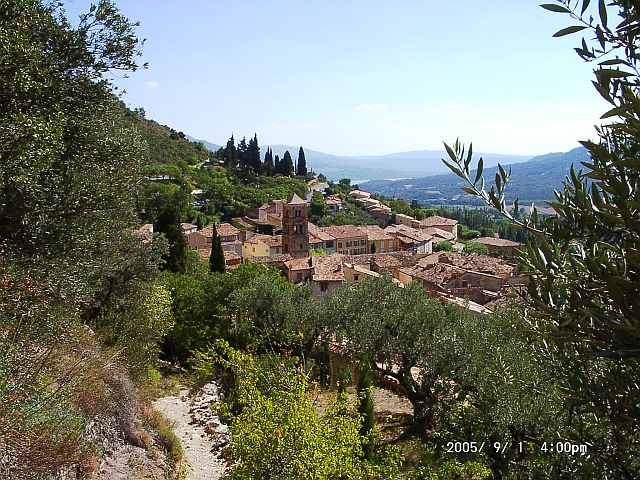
pixel 77 299
pixel 584 261
pixel 277 433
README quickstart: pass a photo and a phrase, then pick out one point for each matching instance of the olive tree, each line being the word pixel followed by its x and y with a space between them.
pixel 583 261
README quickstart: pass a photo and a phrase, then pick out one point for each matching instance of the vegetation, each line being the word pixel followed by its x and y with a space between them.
pixel 534 181
pixel 79 307
pixel 85 308
pixel 583 261
pixel 475 247
pixel 216 259
pixel 443 246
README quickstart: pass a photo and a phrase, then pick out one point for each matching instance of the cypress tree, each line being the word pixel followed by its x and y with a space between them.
pixel 287 167
pixel 268 167
pixel 230 154
pixel 243 154
pixel 216 259
pixel 277 169
pixel 169 224
pixel 365 407
pixel 301 167
pixel 254 155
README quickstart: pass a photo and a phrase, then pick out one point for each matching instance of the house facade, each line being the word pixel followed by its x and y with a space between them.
pixel 350 240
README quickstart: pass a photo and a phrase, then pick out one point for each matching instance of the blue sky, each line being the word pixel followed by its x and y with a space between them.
pixel 363 77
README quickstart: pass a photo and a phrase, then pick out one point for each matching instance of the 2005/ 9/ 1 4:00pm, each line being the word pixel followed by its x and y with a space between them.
pixel 566 448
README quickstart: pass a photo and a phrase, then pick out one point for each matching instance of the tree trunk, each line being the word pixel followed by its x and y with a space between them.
pixel 423 418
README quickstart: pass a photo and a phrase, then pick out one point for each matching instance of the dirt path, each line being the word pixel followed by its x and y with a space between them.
pixel 203 464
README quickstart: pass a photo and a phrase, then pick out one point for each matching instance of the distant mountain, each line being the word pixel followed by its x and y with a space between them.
pixel 391 166
pixel 533 180
pixel 212 147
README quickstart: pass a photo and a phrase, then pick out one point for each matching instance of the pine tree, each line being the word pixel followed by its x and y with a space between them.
pixel 301 168
pixel 268 167
pixel 216 259
pixel 287 167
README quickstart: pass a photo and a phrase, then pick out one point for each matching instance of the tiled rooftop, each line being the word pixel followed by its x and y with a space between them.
pixel 436 220
pixel 496 242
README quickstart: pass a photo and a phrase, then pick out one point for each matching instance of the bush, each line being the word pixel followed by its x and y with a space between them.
pixel 475 247
pixel 443 246
pixel 277 432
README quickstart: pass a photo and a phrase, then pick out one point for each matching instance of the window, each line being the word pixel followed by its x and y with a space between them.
pixel 355 278
pixel 298 277
pixel 329 244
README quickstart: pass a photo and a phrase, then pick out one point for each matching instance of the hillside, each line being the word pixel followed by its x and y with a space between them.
pixel 212 147
pixel 534 180
pixel 166 145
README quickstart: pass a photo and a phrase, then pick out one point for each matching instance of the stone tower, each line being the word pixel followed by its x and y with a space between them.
pixel 295 227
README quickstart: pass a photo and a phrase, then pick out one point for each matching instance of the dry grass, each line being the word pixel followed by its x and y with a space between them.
pixel 166 438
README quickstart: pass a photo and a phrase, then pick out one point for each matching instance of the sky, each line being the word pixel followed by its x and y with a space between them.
pixel 363 77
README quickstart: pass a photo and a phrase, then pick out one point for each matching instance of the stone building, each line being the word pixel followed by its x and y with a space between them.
pixel 295 228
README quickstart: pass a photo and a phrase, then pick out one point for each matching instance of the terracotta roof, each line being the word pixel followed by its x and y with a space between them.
pixel 410 234
pixel 439 274
pixel 393 260
pixel 496 242
pixel 436 220
pixel 299 264
pixel 402 215
pixel 328 268
pixel 272 241
pixel 333 201
pixel 473 262
pixel 187 226
pixel 437 232
pixel 296 200
pixel 344 231
pixel 374 232
pixel 313 240
pixel 319 233
pixel 359 193
pixel 231 255
pixel 274 259
pixel 226 230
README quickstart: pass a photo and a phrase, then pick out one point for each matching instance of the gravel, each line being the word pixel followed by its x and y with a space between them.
pixel 202 433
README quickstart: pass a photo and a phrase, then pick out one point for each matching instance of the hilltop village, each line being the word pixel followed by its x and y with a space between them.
pixel 325 257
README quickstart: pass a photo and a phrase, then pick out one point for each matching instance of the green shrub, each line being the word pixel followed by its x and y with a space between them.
pixel 475 247
pixel 443 246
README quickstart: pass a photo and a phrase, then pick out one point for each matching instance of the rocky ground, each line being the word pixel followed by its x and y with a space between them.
pixel 201 432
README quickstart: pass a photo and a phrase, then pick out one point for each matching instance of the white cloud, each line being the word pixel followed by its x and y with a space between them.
pixel 370 107
pixel 152 84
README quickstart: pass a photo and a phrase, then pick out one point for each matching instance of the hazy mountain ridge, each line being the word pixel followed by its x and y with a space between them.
pixel 394 165
pixel 534 180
